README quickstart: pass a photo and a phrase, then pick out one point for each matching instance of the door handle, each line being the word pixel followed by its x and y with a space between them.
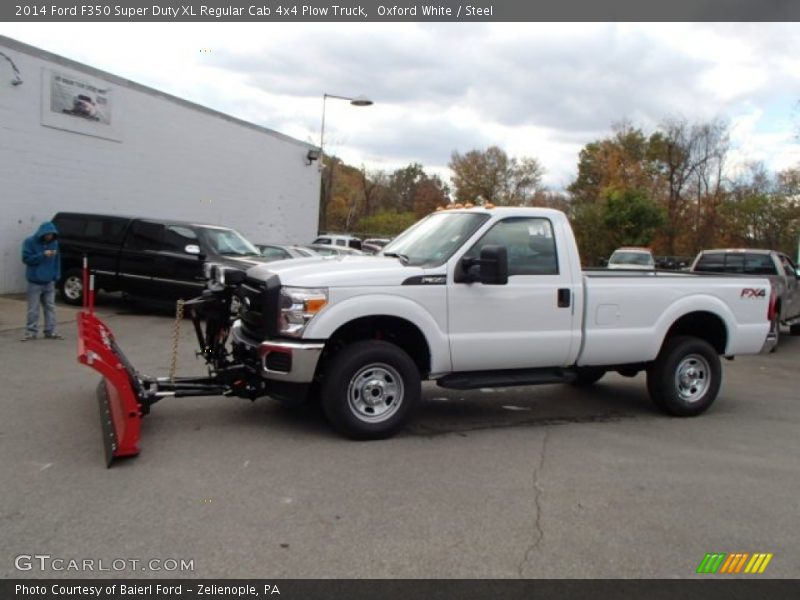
pixel 564 297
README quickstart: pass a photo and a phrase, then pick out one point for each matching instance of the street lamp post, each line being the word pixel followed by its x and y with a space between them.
pixel 357 101
pixel 327 188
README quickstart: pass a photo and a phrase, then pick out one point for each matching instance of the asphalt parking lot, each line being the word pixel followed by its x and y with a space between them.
pixel 529 482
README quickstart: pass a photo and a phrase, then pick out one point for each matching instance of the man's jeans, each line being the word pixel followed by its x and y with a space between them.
pixel 44 294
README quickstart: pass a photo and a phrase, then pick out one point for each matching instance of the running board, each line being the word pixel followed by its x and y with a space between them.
pixel 470 380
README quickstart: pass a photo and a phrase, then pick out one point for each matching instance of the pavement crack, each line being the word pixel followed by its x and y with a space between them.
pixel 538 532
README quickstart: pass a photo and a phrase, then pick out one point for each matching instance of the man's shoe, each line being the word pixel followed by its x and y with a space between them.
pixel 53 336
pixel 28 337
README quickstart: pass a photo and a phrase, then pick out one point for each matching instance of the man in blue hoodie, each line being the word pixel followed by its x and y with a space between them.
pixel 43 268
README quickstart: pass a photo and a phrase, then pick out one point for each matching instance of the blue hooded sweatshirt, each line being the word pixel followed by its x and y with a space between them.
pixel 40 268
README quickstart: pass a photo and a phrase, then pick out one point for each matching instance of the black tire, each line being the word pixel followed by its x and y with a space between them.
pixel 70 287
pixel 693 393
pixel 586 376
pixel 379 369
pixel 775 332
pixel 795 329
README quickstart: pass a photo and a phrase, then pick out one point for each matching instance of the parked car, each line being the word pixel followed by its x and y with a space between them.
pixel 328 250
pixel 674 263
pixel 486 297
pixel 776 266
pixel 632 258
pixel 281 252
pixel 339 240
pixel 373 245
pixel 151 258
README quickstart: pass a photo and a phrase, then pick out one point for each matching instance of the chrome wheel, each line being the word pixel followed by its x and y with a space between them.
pixel 692 378
pixel 375 393
pixel 73 288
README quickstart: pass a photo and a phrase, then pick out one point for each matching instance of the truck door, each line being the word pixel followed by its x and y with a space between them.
pixel 161 261
pixel 525 323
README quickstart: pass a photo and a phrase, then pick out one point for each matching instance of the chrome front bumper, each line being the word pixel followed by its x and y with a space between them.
pixel 282 360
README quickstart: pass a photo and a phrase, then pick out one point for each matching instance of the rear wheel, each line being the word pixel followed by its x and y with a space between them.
pixel 685 378
pixel 70 288
pixel 774 332
pixel 370 390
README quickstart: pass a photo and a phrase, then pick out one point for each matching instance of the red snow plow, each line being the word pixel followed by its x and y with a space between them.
pixel 125 395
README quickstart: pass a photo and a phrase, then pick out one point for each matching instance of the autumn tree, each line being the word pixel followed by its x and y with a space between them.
pixel 492 176
pixel 762 210
pixel 690 158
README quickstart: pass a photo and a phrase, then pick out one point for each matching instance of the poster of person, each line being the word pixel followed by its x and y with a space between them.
pixel 80 98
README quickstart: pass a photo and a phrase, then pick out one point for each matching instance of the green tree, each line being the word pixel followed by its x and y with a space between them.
pixel 631 218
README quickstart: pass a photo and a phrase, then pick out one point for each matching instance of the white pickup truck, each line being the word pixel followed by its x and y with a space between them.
pixel 486 297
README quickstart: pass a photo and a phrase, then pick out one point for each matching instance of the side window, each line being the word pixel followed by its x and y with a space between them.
pixel 341 243
pixel 530 244
pixel 759 264
pixel 145 236
pixel 69 227
pixel 94 228
pixel 711 263
pixel 176 238
pixel 115 229
pixel 322 240
pixel 734 263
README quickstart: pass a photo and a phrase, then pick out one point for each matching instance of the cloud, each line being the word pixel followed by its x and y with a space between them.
pixel 535 89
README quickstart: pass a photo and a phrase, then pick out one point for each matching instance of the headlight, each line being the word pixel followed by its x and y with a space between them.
pixel 298 307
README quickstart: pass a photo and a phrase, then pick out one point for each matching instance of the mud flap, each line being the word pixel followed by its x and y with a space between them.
pixel 119 392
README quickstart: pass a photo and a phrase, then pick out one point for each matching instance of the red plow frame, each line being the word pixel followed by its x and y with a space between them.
pixel 120 407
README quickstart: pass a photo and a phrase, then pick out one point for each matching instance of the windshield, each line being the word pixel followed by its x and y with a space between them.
pixel 228 242
pixel 631 258
pixel 434 239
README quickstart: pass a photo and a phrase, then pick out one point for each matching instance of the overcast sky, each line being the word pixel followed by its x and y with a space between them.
pixel 537 90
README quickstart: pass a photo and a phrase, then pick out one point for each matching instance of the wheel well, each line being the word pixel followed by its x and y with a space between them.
pixel 400 332
pixel 704 325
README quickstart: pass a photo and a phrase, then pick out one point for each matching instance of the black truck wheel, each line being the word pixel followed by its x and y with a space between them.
pixel 370 390
pixel 70 288
pixel 684 379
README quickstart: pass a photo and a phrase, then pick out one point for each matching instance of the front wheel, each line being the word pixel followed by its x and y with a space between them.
pixel 70 288
pixel 370 390
pixel 685 378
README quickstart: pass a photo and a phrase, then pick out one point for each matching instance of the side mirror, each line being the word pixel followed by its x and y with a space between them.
pixel 494 265
pixel 490 269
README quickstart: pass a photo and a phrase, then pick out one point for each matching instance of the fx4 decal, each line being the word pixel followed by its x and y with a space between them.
pixel 753 293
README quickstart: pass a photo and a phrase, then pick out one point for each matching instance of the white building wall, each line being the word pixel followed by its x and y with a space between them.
pixel 173 160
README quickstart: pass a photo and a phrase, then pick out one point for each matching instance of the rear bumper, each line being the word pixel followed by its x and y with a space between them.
pixel 282 360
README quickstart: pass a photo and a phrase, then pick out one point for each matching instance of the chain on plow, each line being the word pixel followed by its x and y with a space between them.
pixel 176 333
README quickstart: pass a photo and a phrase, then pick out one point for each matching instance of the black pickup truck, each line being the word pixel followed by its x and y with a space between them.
pixel 143 257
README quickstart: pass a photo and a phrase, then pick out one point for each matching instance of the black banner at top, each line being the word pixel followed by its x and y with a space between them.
pixel 397 10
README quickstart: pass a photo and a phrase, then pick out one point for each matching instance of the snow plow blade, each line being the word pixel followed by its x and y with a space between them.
pixel 118 392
